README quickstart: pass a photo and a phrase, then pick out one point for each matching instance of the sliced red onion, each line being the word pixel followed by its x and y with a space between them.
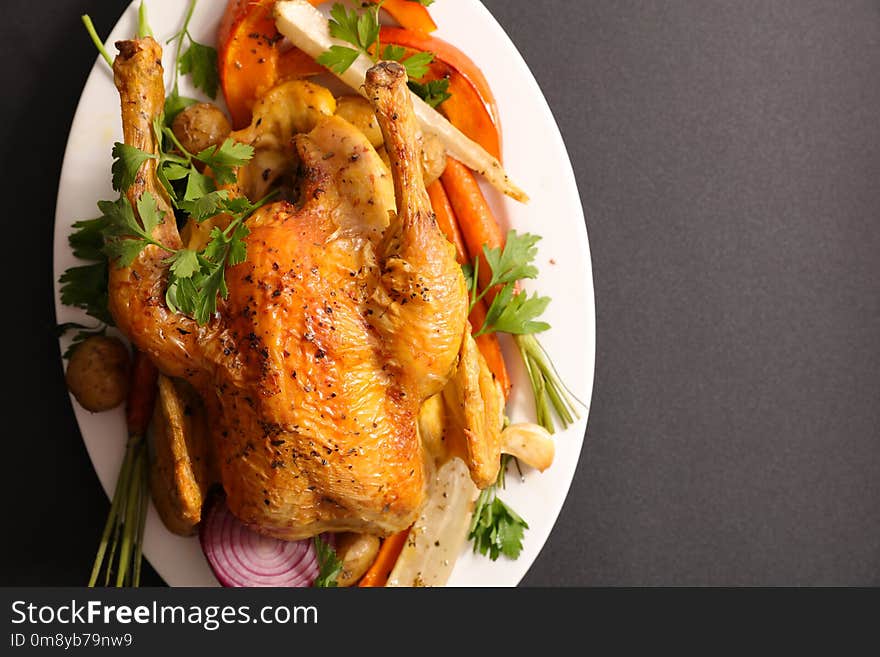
pixel 242 557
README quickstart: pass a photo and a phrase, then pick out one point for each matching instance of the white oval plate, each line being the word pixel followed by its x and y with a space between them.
pixel 536 158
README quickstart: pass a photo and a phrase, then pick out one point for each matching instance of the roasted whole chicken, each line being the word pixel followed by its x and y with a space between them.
pixel 349 312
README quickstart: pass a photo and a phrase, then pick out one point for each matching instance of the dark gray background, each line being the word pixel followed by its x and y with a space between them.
pixel 728 155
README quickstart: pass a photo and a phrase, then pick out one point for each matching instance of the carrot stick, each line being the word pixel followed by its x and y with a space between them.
pixel 488 343
pixel 141 394
pixel 446 220
pixel 475 218
pixel 389 551
pixel 490 348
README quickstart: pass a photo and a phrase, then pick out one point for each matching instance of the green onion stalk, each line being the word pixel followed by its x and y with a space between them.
pixel 124 529
pixel 549 390
pixel 121 548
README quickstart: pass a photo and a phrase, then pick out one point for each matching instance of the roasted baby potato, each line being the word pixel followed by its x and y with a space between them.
pixel 178 448
pixel 98 373
pixel 357 553
pixel 201 126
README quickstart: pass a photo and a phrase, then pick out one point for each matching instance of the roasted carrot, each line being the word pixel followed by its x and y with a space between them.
pixel 446 220
pixel 488 343
pixel 490 348
pixel 389 551
pixel 141 394
pixel 475 218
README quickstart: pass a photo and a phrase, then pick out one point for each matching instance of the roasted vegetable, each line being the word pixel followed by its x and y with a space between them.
pixel 178 449
pixel 98 373
pixel 436 538
pixel 308 30
pixel 200 126
pixel 529 443
pixel 357 553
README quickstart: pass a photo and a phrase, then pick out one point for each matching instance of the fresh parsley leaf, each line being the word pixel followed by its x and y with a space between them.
pixel 515 313
pixel 198 185
pixel 329 565
pixel 368 29
pixel 185 263
pixel 175 171
pixel 120 218
pixel 433 92
pixel 211 285
pixel 338 59
pixel 126 164
pixel 514 262
pixel 224 158
pixel 416 65
pixel 124 250
pixel 207 206
pixel 344 24
pixel 200 61
pixel 424 3
pixel 496 529
pixel 125 238
pixel 467 271
pixel 149 212
pixel 393 53
pixel 241 206
pixel 85 287
pixel 87 239
pixel 238 246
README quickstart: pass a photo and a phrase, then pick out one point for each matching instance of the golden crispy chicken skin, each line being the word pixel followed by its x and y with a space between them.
pixel 345 316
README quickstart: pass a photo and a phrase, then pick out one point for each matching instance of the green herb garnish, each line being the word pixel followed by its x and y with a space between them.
pixel 496 529
pixel 517 313
pixel 361 30
pixel 329 565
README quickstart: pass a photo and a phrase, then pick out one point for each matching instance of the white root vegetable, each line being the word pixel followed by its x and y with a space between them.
pixel 530 443
pixel 436 538
pixel 308 30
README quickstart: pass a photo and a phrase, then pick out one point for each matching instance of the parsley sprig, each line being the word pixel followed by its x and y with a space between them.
pixel 329 565
pixel 198 60
pixel 511 311
pixel 517 313
pixel 362 30
pixel 196 278
pixel 496 529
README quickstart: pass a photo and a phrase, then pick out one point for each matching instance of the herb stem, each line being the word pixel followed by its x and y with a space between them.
pixel 179 36
pixel 142 520
pixel 127 517
pixel 110 525
pixel 144 29
pixel 93 33
pixel 187 156
pixel 547 385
